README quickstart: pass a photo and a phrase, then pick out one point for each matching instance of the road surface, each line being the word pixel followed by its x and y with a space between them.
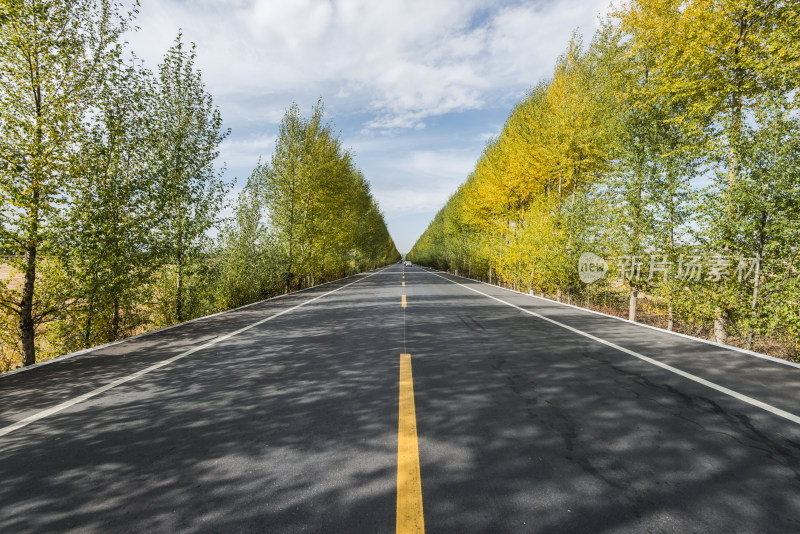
pixel 298 414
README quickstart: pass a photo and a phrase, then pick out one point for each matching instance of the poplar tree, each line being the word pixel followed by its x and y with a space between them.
pixel 185 134
pixel 321 213
pixel 714 58
pixel 111 212
pixel 52 55
pixel 285 185
pixel 250 263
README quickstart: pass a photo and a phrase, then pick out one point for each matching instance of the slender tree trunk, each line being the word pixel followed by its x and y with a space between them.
pixel 87 327
pixel 757 280
pixel 114 333
pixel 720 327
pixel 754 303
pixel 179 290
pixel 27 327
pixel 733 165
pixel 632 304
pixel 670 287
pixel 26 324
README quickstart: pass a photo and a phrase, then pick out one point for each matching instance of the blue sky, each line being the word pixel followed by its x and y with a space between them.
pixel 415 87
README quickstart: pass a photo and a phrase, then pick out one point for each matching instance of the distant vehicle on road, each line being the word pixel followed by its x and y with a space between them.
pixel 407 263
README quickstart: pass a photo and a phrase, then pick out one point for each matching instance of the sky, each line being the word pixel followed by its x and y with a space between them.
pixel 415 88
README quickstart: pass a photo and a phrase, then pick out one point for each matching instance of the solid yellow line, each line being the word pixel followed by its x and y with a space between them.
pixel 409 483
pixel 403 302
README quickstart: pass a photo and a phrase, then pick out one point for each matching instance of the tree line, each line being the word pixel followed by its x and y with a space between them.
pixel 669 146
pixel 111 196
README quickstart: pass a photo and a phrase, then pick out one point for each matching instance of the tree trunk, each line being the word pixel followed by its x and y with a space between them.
pixel 733 168
pixel 27 328
pixel 632 303
pixel 26 324
pixel 179 295
pixel 670 318
pixel 114 333
pixel 754 303
pixel 87 327
pixel 720 331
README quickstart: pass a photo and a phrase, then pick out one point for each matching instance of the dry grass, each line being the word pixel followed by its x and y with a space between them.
pixel 9 358
pixel 10 275
pixel 651 311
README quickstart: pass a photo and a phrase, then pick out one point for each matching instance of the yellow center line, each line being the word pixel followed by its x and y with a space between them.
pixel 409 483
pixel 403 302
pixel 404 284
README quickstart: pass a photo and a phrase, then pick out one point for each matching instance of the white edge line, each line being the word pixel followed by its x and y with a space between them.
pixel 95 392
pixel 69 355
pixel 643 325
pixel 694 378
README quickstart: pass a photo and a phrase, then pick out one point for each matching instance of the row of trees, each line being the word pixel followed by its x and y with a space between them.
pixel 110 193
pixel 670 146
pixel 304 217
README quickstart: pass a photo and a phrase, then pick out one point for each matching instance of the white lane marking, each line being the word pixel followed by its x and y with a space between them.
pixel 639 325
pixel 712 385
pixel 65 357
pixel 66 404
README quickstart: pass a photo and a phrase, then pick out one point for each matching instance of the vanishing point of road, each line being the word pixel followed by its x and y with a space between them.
pixel 406 400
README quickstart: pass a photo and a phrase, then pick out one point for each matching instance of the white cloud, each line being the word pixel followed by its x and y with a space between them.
pixel 397 65
pixel 245 152
pixel 441 164
pixel 417 181
pixel 404 61
pixel 401 201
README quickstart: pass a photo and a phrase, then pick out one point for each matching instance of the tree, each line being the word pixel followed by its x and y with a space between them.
pixel 649 186
pixel 287 180
pixel 250 267
pixel 112 207
pixel 323 221
pixel 767 199
pixel 186 131
pixel 713 59
pixel 52 55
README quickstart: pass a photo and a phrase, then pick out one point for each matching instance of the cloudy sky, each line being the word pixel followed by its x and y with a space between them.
pixel 415 87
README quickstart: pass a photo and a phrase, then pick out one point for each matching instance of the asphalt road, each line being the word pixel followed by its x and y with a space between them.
pixel 531 416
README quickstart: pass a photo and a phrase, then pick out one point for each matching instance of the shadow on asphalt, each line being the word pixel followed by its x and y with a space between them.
pixel 551 432
pixel 293 427
pixel 279 429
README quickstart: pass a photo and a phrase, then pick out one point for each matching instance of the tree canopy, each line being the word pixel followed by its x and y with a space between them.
pixel 669 146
